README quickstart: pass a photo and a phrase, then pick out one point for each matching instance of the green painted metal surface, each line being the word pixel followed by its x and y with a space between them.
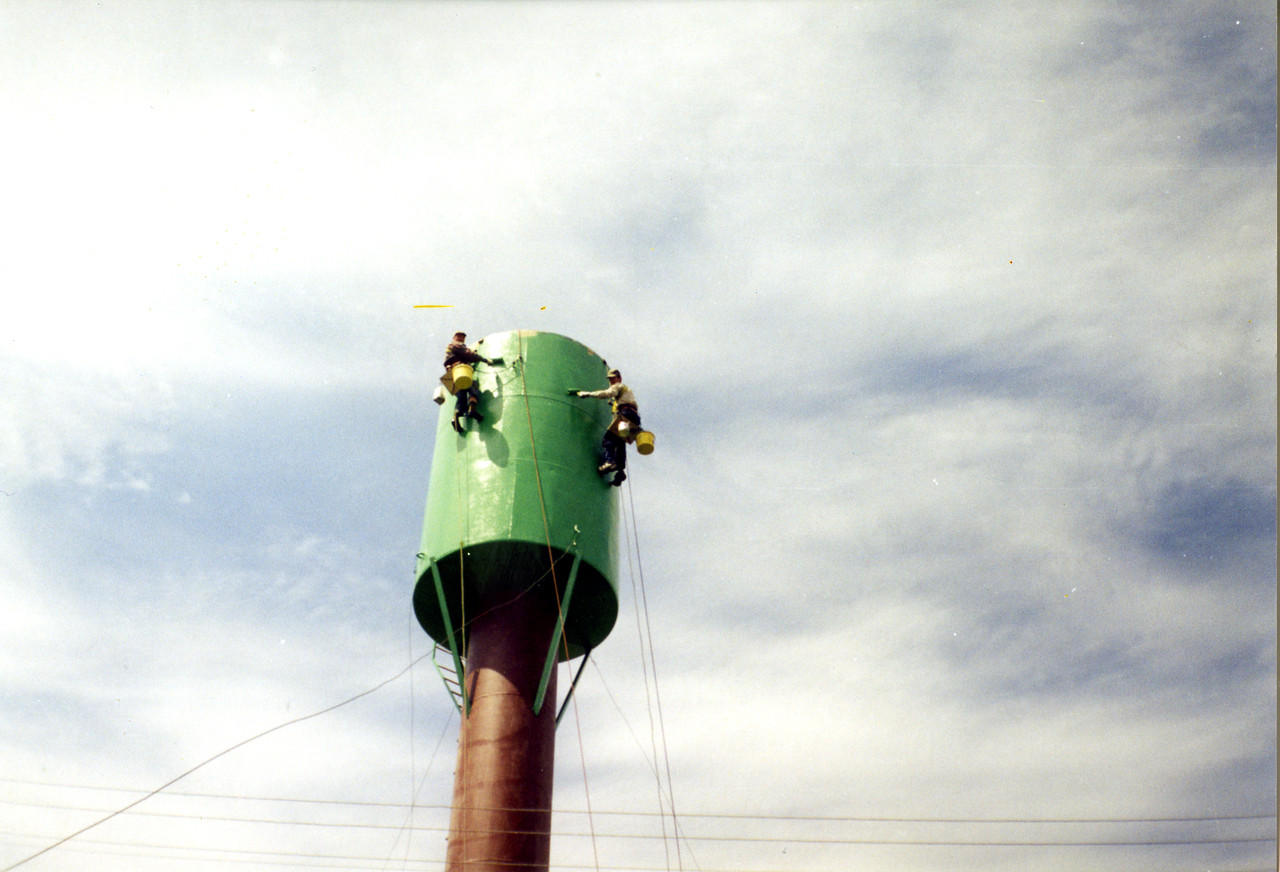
pixel 483 527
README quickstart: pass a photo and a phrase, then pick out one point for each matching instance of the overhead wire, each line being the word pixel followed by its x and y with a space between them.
pixel 413 754
pixel 918 843
pixel 685 814
pixel 205 816
pixel 754 838
pixel 407 824
pixel 206 762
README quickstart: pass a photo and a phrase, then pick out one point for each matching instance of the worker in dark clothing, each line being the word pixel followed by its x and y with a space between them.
pixel 468 399
pixel 622 429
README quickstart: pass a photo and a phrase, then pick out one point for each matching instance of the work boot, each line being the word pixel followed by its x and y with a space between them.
pixel 618 479
pixel 457 423
pixel 606 467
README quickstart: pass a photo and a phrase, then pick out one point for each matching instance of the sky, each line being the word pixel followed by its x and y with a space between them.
pixel 955 323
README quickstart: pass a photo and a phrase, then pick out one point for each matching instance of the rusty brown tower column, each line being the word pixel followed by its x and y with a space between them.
pixel 501 819
pixel 515 576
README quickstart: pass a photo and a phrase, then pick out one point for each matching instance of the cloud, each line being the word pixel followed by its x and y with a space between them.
pixel 956 327
pixel 1208 522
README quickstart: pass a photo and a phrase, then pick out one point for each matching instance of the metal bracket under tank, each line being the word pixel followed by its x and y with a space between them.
pixel 555 637
pixel 456 683
pixel 573 684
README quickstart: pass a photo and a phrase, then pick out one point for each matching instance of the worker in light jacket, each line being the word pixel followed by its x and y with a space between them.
pixel 622 429
pixel 468 398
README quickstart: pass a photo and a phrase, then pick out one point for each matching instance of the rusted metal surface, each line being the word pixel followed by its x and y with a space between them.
pixel 501 820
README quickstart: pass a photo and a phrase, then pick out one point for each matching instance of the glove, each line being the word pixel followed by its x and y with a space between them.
pixel 497 361
pixel 572 392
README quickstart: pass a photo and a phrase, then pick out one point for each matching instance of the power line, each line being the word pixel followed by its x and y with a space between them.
pixel 774 839
pixel 204 763
pixel 939 843
pixel 643 814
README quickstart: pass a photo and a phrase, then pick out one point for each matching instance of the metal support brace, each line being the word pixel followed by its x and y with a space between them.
pixel 564 705
pixel 452 639
pixel 555 637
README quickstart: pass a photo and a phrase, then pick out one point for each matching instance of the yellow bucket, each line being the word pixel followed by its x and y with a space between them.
pixel 644 442
pixel 463 375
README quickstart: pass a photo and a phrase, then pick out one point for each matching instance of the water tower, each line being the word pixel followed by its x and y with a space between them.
pixel 516 574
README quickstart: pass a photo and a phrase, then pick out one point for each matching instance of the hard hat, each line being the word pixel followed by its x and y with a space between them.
pixel 458 333
pixel 613 373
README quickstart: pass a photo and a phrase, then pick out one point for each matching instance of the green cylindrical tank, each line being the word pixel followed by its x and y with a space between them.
pixel 515 501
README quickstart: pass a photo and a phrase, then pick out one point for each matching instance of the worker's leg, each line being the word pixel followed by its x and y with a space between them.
pixel 609 453
pixel 620 461
pixel 468 404
pixel 459 409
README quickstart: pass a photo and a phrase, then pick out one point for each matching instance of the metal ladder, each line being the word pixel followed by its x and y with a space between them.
pixel 448 674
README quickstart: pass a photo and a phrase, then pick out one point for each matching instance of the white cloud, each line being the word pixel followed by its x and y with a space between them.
pixel 953 344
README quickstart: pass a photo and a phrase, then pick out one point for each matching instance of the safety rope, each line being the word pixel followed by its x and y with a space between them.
pixel 464 711
pixel 546 529
pixel 537 475
pixel 463 518
pixel 653 666
pixel 413 751
pixel 648 697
